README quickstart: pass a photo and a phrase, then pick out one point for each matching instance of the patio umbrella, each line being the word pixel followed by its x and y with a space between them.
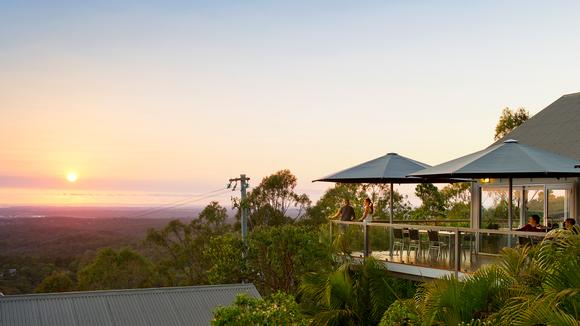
pixel 509 159
pixel 390 168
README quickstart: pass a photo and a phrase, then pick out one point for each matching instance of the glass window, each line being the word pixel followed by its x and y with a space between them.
pixel 558 207
pixel 494 207
pixel 534 204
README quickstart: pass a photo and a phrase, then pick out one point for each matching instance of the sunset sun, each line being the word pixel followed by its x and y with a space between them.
pixel 72 176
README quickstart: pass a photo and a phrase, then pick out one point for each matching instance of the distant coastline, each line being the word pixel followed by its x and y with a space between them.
pixel 151 212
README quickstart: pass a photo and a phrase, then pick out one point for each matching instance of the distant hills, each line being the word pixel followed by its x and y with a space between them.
pixel 101 212
pixel 69 237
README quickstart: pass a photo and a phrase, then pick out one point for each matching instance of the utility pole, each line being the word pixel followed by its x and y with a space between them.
pixel 244 209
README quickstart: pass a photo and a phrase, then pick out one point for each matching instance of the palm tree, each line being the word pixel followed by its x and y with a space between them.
pixel 354 294
pixel 450 301
pixel 552 295
pixel 527 286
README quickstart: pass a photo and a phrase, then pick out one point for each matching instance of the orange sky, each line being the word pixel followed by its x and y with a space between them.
pixel 178 98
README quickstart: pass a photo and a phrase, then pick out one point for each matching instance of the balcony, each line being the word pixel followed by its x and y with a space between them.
pixel 426 251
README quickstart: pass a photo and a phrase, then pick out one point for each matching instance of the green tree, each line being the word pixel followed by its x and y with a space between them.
pixel 509 120
pixel 271 201
pixel 457 198
pixel 279 256
pixel 179 246
pixel 56 282
pixel 330 202
pixel 526 286
pixel 402 312
pixel 354 294
pixel 380 194
pixel 279 309
pixel 110 269
pixel 178 253
pixel 433 202
pixel 213 217
pixel 545 287
pixel 450 301
pixel 224 258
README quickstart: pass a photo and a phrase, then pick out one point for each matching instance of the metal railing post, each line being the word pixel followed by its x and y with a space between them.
pixel 366 239
pixel 330 231
pixel 457 252
pixel 391 241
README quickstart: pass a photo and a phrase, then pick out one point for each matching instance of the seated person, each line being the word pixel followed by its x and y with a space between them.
pixel 533 225
pixel 346 212
pixel 569 225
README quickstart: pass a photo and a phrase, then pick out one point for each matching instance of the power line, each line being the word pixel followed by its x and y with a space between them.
pixel 180 202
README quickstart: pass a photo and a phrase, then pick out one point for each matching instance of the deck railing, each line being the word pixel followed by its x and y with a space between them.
pixel 457 249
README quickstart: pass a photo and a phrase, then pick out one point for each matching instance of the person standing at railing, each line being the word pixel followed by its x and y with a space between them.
pixel 368 212
pixel 533 225
pixel 346 212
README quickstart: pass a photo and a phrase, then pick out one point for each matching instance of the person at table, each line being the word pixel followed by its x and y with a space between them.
pixel 368 212
pixel 346 212
pixel 533 224
pixel 569 225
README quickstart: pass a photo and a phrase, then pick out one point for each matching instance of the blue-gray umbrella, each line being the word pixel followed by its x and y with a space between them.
pixel 385 169
pixel 509 159
pixel 390 168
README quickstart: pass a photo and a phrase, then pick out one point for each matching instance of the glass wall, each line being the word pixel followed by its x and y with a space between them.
pixel 558 206
pixel 494 207
pixel 550 202
pixel 534 196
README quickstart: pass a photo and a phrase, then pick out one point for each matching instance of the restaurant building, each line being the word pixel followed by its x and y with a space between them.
pixel 427 250
pixel 556 129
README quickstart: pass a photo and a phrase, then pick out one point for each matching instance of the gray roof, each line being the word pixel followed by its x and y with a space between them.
pixel 507 159
pixel 159 306
pixel 556 128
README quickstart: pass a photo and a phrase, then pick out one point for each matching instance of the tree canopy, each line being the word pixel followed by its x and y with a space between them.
pixel 279 256
pixel 353 294
pixel 380 194
pixel 509 120
pixel 274 201
pixel 179 246
pixel 56 282
pixel 527 286
pixel 122 269
pixel 278 309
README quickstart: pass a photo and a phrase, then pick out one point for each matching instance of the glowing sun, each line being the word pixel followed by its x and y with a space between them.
pixel 72 176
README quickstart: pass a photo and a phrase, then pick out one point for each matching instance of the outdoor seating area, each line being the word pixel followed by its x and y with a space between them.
pixel 510 183
pixel 460 250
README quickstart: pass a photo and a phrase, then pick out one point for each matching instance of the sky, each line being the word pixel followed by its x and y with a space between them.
pixel 152 101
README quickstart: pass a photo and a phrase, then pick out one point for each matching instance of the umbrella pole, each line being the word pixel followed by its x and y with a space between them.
pixel 391 217
pixel 391 222
pixel 510 209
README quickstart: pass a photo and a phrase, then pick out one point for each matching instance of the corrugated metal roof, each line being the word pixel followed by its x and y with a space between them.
pixel 192 305
pixel 556 128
